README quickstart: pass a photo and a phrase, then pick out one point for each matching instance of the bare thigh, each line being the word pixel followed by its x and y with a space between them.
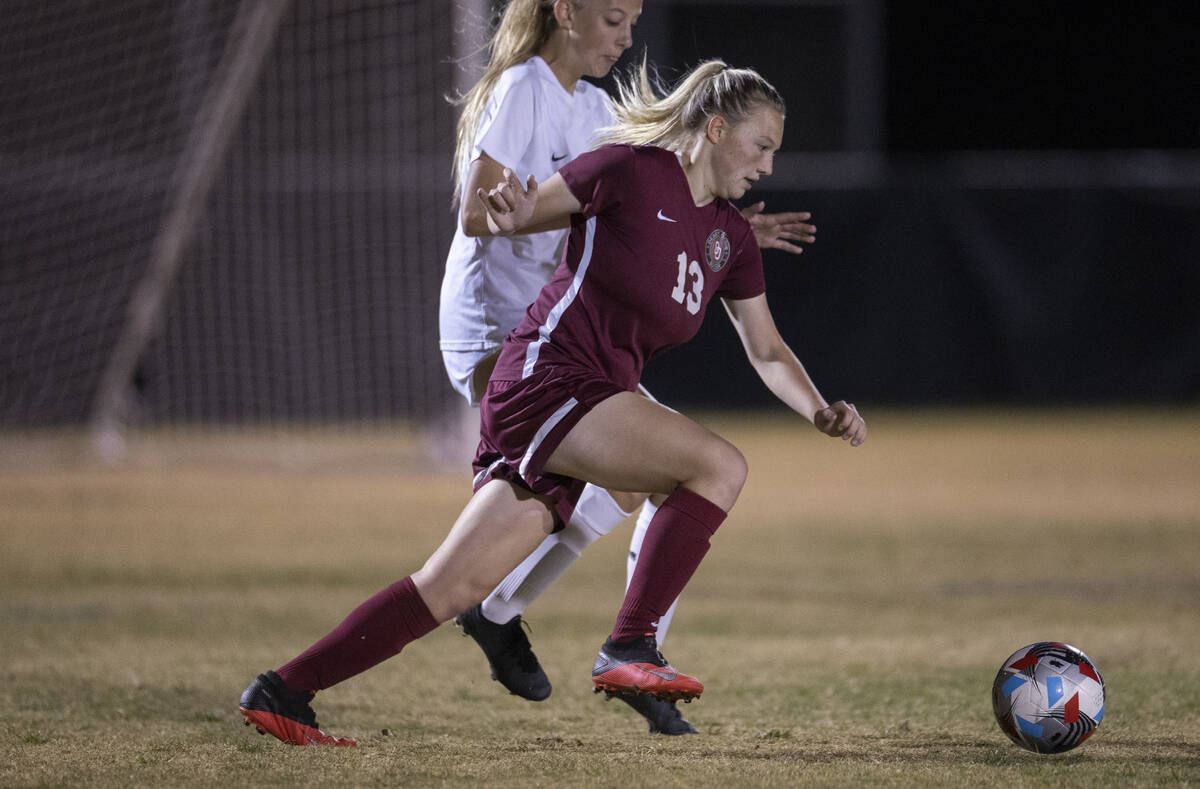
pixel 628 501
pixel 629 442
pixel 631 501
pixel 498 528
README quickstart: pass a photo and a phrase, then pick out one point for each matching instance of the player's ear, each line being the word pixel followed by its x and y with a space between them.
pixel 564 13
pixel 716 128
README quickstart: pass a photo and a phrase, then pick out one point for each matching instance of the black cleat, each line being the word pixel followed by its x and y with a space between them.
pixel 508 652
pixel 663 716
pixel 275 709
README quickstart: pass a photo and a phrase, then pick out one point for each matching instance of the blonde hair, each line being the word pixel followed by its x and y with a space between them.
pixel 523 30
pixel 711 88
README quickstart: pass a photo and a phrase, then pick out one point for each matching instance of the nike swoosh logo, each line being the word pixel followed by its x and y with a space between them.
pixel 554 158
pixel 669 676
pixel 665 218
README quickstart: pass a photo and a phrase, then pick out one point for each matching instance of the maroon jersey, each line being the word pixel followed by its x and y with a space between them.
pixel 642 263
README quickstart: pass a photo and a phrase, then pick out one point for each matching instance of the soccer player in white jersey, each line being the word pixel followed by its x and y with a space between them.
pixel 561 409
pixel 533 113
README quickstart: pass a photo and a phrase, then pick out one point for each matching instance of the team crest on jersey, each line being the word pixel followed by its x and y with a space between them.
pixel 716 250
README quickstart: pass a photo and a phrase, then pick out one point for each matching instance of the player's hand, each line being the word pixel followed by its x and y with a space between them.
pixel 510 204
pixel 842 419
pixel 778 231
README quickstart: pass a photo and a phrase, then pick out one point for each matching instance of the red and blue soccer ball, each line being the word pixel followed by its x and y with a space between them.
pixel 1048 697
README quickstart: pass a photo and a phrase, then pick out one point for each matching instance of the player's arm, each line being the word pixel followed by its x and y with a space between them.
pixel 785 376
pixel 512 207
pixel 485 175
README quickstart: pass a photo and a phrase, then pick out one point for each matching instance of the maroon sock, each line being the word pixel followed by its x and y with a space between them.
pixel 372 633
pixel 675 542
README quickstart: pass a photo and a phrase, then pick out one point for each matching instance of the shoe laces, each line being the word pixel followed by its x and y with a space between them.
pixel 518 645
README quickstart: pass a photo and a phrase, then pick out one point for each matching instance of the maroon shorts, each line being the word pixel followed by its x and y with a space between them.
pixel 522 423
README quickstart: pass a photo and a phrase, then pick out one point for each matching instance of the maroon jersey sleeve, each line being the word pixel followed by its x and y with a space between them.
pixel 596 177
pixel 745 278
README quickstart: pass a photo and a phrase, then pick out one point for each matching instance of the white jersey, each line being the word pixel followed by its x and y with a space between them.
pixel 531 125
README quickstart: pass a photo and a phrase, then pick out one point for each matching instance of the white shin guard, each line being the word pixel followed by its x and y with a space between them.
pixel 595 515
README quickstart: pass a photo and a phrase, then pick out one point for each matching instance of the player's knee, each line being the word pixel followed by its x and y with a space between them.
pixel 446 597
pixel 736 471
pixel 466 593
pixel 627 501
pixel 447 594
pixel 726 469
pixel 577 535
pixel 721 458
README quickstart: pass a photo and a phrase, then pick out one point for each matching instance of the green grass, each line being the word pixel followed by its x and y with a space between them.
pixel 847 623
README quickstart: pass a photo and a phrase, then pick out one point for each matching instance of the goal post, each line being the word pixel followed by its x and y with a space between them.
pixel 249 40
pixel 226 212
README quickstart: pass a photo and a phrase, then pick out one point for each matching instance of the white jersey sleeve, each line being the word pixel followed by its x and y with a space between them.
pixel 534 126
pixel 508 125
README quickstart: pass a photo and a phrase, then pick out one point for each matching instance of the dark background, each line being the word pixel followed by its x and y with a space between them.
pixel 1033 232
pixel 1007 196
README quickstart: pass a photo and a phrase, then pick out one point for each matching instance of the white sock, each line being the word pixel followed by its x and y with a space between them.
pixel 635 547
pixel 595 515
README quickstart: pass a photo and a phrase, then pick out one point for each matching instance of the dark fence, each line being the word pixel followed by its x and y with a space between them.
pixel 957 295
pixel 1059 262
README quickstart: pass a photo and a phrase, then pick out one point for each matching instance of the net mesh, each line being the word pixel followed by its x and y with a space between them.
pixel 309 289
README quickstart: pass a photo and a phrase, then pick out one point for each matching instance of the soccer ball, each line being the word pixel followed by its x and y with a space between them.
pixel 1048 697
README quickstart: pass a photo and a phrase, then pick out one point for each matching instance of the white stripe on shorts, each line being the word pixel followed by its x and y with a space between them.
pixel 540 435
pixel 531 352
pixel 481 476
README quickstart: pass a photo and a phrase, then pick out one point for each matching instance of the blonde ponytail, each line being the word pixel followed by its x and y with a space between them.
pixel 524 29
pixel 711 88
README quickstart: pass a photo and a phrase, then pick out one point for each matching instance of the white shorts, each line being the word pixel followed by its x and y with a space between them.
pixel 460 366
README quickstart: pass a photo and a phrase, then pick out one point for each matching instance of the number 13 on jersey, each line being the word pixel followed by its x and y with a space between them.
pixel 695 273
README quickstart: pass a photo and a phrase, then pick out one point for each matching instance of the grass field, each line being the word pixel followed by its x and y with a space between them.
pixel 847 623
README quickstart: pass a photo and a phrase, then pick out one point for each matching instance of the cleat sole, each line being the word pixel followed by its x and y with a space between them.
pixel 247 722
pixel 666 695
pixel 292 733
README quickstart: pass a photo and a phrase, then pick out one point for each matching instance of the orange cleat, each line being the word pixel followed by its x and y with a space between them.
pixel 275 709
pixel 628 667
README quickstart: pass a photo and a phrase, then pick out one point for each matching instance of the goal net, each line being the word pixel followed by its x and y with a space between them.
pixel 224 211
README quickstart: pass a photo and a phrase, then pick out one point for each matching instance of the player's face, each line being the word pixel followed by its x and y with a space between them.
pixel 601 31
pixel 746 152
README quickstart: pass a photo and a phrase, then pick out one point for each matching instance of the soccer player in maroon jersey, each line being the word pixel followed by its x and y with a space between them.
pixel 533 112
pixel 653 238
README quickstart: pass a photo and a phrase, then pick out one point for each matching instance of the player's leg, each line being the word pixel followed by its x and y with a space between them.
pixel 453 435
pixel 496 624
pixel 649 508
pixel 497 529
pixel 596 514
pixel 662 716
pixel 629 443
